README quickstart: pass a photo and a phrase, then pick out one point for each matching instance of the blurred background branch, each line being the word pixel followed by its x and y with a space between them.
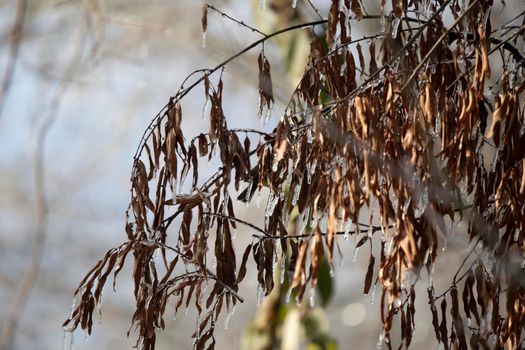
pixel 15 40
pixel 28 279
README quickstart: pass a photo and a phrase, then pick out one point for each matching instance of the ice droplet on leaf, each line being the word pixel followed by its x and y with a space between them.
pixel 373 295
pixel 288 295
pixel 356 250
pixel 395 25
pixel 379 344
pixel 230 314
pixel 272 203
pixel 283 269
pixel 203 40
pixel 348 228
pixel 312 297
pixel 260 295
pixel 296 192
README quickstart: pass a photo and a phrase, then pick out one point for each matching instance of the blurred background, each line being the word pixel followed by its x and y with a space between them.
pixel 81 80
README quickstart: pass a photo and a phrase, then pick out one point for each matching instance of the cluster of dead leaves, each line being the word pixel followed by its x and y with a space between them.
pixel 412 154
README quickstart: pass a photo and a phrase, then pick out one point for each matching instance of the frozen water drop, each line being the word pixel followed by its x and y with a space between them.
pixel 347 229
pixel 356 250
pixel 309 136
pixel 445 244
pixel 272 203
pixel 267 116
pixel 379 344
pixel 203 40
pixel 288 296
pixel 71 340
pixel 294 3
pixel 493 338
pixel 405 206
pixel 383 23
pixel 73 304
pixel 431 277
pixel 323 223
pixel 312 297
pixel 260 295
pixel 427 254
pixel 303 221
pixel 296 192
pixel 99 311
pixel 205 109
pixel 227 320
pixel 275 165
pixel 283 269
pixel 315 219
pixel 388 245
pixel 373 295
pixel 64 339
pixel 395 25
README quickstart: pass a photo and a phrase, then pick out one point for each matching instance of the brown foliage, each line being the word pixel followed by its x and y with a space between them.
pixel 414 147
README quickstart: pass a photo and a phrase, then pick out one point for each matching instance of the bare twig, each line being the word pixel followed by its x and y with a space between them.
pixel 228 217
pixel 239 22
pixel 454 280
pixel 315 9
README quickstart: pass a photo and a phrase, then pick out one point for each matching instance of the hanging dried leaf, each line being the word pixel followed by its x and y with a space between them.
pixel 265 84
pixel 369 274
pixel 343 145
pixel 204 18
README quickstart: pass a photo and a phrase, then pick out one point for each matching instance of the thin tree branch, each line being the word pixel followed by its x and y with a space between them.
pixel 228 217
pixel 454 280
pixel 241 23
pixel 315 9
pixel 183 92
